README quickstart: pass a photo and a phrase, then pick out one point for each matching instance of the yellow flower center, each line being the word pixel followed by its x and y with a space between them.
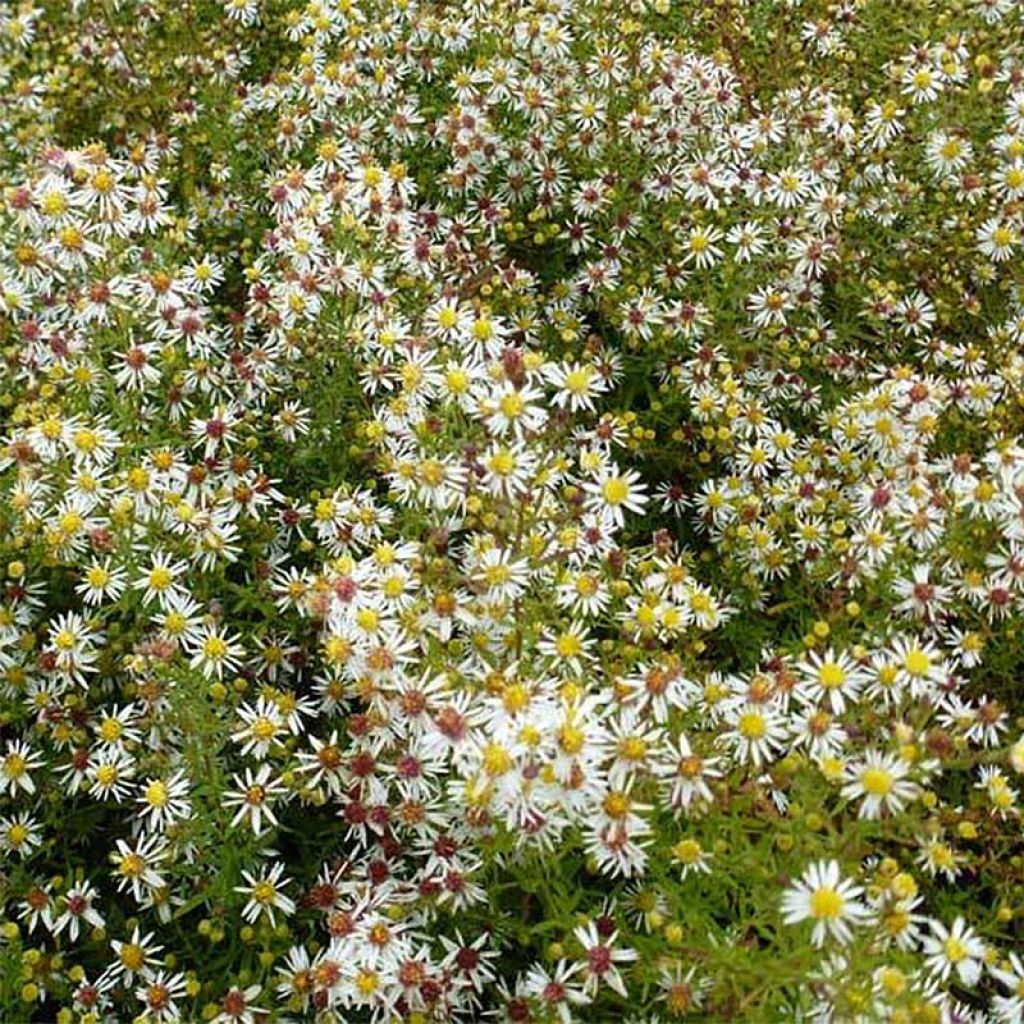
pixel 615 490
pixel 367 620
pixel 97 577
pixel 955 950
pixel 160 578
pixel 263 728
pixel 103 182
pixel 132 956
pixel 515 698
pixel 688 851
pixel 917 662
pixel 156 794
pixel 633 748
pixel 876 781
pixel 71 522
pixel 752 726
pixel 175 623
pixel 577 381
pixel 826 904
pixel 86 441
pixel 569 645
pixel 571 739
pixel 215 647
pixel 831 676
pixel 432 473
pixel 132 865
pixel 502 463
pixel 512 405
pixel 64 640
pixel 616 805
pixel 497 759
pixel 367 981
pixel 110 730
pixel 264 892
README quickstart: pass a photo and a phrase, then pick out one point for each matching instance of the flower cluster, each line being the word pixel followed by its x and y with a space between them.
pixel 511 510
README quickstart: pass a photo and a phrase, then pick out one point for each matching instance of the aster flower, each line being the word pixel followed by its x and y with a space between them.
pixel 880 779
pixel 264 895
pixel 957 949
pixel 823 896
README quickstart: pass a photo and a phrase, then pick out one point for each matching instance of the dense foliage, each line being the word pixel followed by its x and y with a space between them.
pixel 511 510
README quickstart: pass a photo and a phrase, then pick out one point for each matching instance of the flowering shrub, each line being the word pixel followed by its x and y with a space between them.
pixel 511 510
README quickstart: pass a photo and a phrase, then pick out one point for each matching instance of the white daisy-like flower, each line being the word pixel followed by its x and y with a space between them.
pixel 880 781
pixel 614 493
pixel 954 949
pixel 823 896
pixel 602 960
pixel 264 894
